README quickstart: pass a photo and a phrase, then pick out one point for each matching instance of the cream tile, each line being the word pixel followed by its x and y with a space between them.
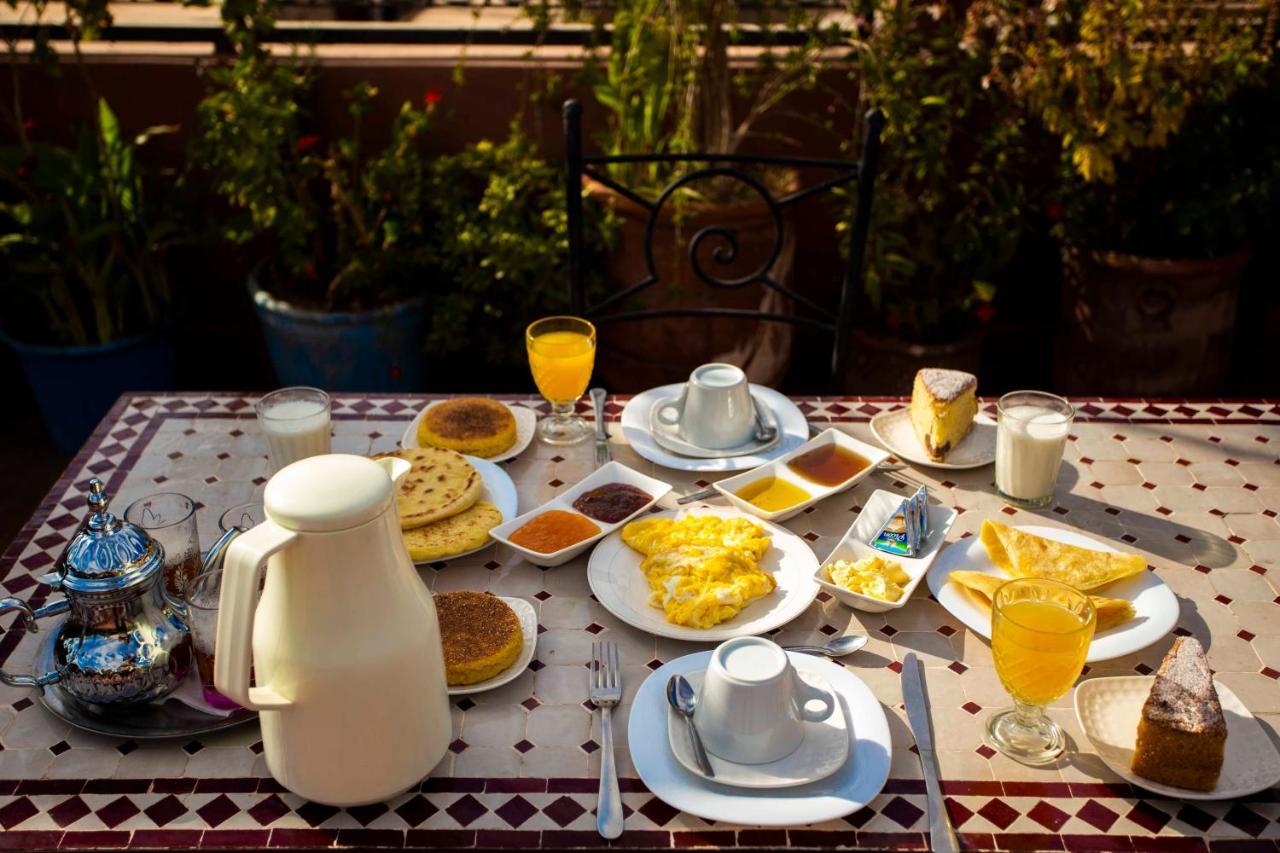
pixel 84 764
pixel 559 725
pixel 221 761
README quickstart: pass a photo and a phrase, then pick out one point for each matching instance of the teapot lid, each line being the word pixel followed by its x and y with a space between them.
pixel 322 494
pixel 109 554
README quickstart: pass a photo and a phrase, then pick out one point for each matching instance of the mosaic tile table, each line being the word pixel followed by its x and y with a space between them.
pixel 1194 486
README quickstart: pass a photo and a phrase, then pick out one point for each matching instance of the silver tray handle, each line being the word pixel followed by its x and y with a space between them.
pixel 29 618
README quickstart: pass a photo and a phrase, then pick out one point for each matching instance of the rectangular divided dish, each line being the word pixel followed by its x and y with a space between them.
pixel 854 547
pixel 614 472
pixel 778 468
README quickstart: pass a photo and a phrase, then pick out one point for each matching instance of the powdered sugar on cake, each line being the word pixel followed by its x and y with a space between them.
pixel 947 384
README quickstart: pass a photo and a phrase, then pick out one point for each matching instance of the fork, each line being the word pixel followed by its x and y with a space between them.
pixel 604 689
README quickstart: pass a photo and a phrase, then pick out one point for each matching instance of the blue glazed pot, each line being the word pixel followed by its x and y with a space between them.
pixel 379 350
pixel 75 386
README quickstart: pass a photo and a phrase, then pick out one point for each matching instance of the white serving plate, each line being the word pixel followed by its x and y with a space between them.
pixel 854 547
pixel 529 631
pixel 614 575
pixel 613 472
pixel 635 426
pixel 978 448
pixel 824 750
pixel 856 783
pixel 1109 710
pixel 1155 605
pixel 526 422
pixel 499 490
pixel 778 468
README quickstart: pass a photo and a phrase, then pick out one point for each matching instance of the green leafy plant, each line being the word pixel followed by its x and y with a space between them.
pixel 84 229
pixel 1157 108
pixel 499 209
pixel 950 198
pixel 350 228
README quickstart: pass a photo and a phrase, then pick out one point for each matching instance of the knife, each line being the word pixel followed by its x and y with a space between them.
pixel 942 838
pixel 603 455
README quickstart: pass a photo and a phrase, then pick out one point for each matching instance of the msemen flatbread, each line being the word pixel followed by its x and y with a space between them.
pixel 1025 555
pixel 439 484
pixel 465 531
pixel 1111 611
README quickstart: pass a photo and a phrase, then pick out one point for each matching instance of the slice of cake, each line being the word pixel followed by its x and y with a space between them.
pixel 1182 734
pixel 943 403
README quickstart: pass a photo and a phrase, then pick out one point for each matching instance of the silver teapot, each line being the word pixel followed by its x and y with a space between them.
pixel 124 641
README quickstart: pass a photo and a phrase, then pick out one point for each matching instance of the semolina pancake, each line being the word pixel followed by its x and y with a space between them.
pixel 480 633
pixel 474 425
pixel 1026 555
pixel 439 484
pixel 456 534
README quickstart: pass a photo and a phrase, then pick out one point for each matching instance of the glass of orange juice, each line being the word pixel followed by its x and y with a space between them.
pixel 1040 635
pixel 562 352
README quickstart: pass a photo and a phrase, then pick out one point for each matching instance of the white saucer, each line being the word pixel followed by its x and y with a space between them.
pixel 1109 710
pixel 842 793
pixel 668 435
pixel 529 630
pixel 792 425
pixel 499 490
pixel 1155 606
pixel 894 431
pixel 822 752
pixel 526 422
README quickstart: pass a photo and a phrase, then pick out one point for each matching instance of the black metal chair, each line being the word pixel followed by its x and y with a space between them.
pixel 833 320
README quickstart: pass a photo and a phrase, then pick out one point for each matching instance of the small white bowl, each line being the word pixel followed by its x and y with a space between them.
pixel 613 472
pixel 778 468
pixel 854 547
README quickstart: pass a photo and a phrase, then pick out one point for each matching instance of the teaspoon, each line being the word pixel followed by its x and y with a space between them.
pixel 681 697
pixel 837 648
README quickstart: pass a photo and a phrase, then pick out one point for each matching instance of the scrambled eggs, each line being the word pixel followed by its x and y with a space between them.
pixel 872 576
pixel 702 570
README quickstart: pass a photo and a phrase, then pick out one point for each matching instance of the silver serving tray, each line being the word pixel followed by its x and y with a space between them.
pixel 149 721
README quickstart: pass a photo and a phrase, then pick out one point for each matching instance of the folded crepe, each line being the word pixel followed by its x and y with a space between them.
pixel 1025 555
pixel 1111 611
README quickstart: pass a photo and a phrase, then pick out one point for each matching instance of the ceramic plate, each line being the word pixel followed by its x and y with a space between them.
pixel 823 751
pixel 894 431
pixel 526 421
pixel 529 629
pixel 1155 604
pixel 668 435
pixel 499 490
pixel 635 426
pixel 614 575
pixel 840 794
pixel 1109 710
pixel 853 546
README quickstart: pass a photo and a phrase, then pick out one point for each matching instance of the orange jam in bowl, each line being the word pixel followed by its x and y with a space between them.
pixel 553 530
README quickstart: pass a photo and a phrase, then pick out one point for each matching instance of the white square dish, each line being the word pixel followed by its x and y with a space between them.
pixel 854 547
pixel 778 468
pixel 613 472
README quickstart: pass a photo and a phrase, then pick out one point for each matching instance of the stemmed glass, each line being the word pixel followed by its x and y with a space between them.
pixel 562 353
pixel 1040 635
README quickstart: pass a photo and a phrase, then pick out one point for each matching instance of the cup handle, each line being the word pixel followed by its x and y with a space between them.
pixel 236 607
pixel 677 407
pixel 809 693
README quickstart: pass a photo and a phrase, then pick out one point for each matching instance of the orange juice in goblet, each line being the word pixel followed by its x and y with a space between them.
pixel 562 353
pixel 1040 635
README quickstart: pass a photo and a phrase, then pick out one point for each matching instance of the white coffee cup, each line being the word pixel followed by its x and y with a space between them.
pixel 714 409
pixel 752 706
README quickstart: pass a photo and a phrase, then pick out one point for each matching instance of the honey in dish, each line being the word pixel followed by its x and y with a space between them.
pixel 772 494
pixel 829 465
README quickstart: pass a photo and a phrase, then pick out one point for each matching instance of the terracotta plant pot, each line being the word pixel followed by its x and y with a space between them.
pixel 638 355
pixel 884 364
pixel 1146 326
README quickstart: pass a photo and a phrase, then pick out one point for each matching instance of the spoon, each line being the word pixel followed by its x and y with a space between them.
pixel 837 648
pixel 764 432
pixel 681 697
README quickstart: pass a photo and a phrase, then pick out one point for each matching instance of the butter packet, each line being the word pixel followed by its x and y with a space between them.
pixel 904 532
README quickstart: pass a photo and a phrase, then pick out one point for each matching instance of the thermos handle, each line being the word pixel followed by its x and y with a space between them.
pixel 236 605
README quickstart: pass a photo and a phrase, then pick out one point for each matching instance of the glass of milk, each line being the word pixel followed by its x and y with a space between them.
pixel 1032 433
pixel 296 424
